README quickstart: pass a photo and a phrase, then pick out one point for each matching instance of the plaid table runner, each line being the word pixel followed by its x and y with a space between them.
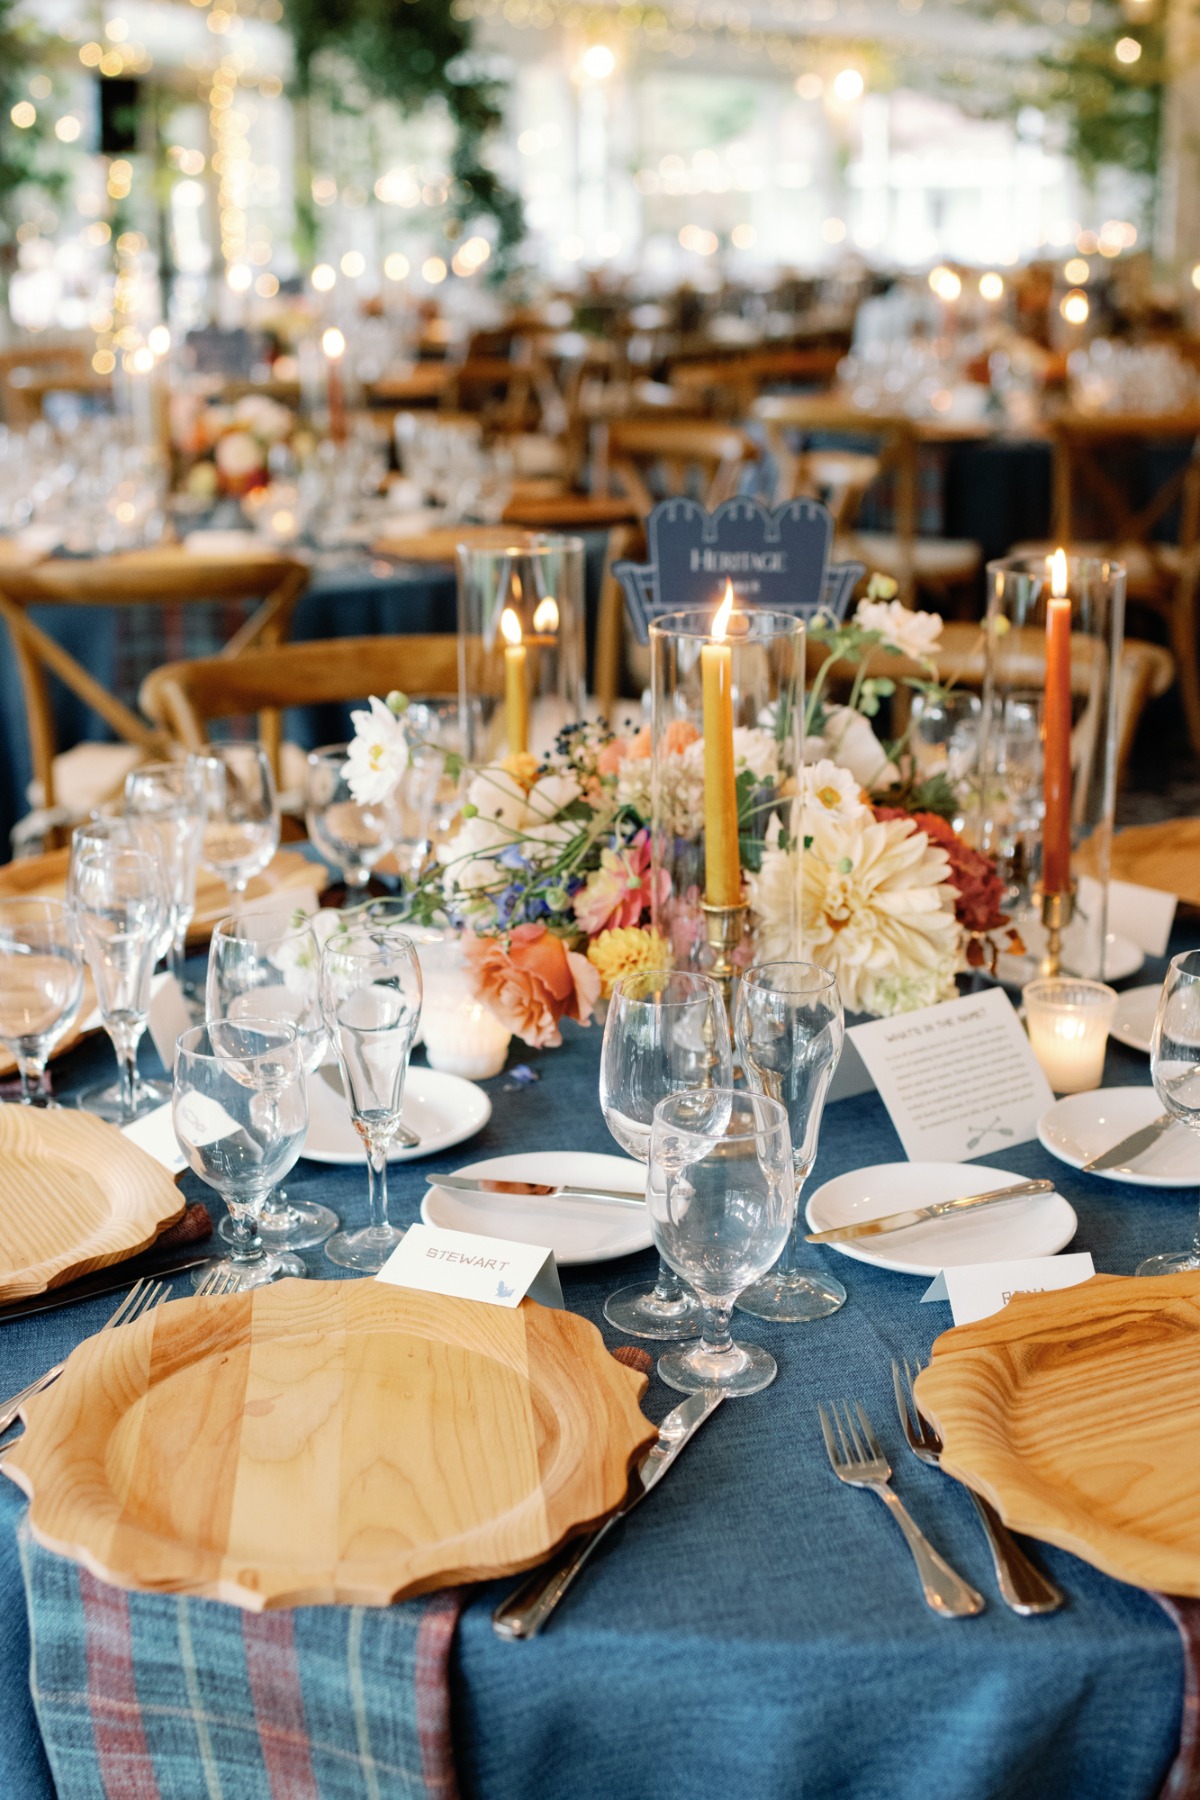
pixel 142 1696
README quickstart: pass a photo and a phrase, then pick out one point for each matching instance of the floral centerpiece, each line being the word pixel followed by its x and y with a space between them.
pixel 549 876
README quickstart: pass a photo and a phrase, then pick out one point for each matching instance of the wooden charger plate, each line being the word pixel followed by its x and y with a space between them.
pixel 75 1195
pixel 328 1441
pixel 1077 1414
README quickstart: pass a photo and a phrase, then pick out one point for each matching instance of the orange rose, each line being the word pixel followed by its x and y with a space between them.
pixel 533 984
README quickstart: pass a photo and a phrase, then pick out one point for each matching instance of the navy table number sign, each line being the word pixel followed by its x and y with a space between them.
pixel 777 560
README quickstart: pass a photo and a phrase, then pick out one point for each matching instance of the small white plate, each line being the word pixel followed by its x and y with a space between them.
pixel 1080 1126
pixel 576 1231
pixel 1121 956
pixel 444 1109
pixel 1133 1020
pixel 1015 1228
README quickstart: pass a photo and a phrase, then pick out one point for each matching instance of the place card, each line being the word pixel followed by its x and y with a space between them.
pixel 959 1079
pixel 469 1267
pixel 154 1133
pixel 977 1290
pixel 169 1018
pixel 1141 914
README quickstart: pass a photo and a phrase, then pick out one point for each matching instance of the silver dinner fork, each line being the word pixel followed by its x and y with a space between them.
pixel 143 1295
pixel 860 1462
pixel 1022 1585
pixel 216 1281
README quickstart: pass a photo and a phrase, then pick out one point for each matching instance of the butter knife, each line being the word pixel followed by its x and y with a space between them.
pixel 1129 1147
pixel 528 1607
pixel 941 1209
pixel 486 1185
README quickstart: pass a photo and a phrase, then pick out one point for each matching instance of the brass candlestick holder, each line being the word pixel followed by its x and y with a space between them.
pixel 1056 910
pixel 724 929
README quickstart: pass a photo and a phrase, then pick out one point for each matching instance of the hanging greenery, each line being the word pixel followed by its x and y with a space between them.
pixel 412 52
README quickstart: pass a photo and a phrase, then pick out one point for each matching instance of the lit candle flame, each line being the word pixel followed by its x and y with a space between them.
pixel 545 619
pixel 721 621
pixel 333 343
pixel 1058 575
pixel 510 626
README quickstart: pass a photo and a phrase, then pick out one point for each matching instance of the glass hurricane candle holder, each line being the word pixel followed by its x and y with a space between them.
pixel 520 640
pixel 765 692
pixel 1068 1025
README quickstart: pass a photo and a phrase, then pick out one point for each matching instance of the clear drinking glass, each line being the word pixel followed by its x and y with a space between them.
pixel 371 1000
pixel 722 1198
pixel 242 830
pixel 788 1024
pixel 348 834
pixel 267 966
pixel 666 1030
pixel 41 986
pixel 168 800
pixel 240 1111
pixel 121 913
pixel 1175 1069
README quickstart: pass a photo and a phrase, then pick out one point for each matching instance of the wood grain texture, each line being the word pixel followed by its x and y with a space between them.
pixel 74 1196
pixel 320 1442
pixel 288 874
pixel 1077 1414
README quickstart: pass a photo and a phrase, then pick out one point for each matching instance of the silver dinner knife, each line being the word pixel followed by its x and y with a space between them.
pixel 527 1608
pixel 485 1185
pixel 1129 1147
pixel 941 1209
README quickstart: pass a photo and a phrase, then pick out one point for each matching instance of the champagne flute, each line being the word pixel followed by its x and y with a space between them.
pixel 267 966
pixel 41 986
pixel 121 912
pixel 168 800
pixel 240 1112
pixel 788 1024
pixel 371 1000
pixel 1175 1071
pixel 242 830
pixel 666 1031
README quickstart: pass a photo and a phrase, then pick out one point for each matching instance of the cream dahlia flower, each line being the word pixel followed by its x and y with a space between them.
pixel 915 634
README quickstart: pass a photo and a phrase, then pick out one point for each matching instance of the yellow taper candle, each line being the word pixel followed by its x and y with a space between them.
pixel 516 692
pixel 722 863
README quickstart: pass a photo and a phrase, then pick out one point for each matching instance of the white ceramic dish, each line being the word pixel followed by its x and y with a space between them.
pixel 1080 1126
pixel 1133 1020
pixel 576 1231
pixel 1122 957
pixel 1035 1227
pixel 444 1109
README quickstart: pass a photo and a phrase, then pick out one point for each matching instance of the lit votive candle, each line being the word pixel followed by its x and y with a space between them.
pixel 465 1039
pixel 1068 1025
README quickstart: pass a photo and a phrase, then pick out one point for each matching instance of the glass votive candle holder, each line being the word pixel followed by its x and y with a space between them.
pixel 1068 1025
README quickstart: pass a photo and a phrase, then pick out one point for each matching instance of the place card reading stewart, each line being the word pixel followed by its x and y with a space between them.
pixel 959 1079
pixel 469 1267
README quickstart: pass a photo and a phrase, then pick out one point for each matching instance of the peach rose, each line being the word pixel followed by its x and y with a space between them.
pixel 533 983
pixel 609 761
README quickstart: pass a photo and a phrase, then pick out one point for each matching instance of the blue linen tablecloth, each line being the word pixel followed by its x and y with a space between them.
pixel 755 1630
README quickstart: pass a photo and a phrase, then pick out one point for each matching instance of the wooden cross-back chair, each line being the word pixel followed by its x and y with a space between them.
pixel 168 576
pixel 28 372
pixel 186 697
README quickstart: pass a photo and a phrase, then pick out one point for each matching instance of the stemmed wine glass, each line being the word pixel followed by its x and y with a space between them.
pixel 267 966
pixel 242 830
pixel 121 913
pixel 167 801
pixel 371 1001
pixel 788 1024
pixel 1175 1071
pixel 666 1030
pixel 240 1111
pixel 41 986
pixel 347 832
pixel 722 1199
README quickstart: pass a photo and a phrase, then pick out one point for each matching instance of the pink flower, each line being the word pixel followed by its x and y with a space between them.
pixel 620 891
pixel 609 761
pixel 533 983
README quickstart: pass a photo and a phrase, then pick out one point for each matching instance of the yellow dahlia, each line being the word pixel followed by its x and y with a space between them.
pixel 624 950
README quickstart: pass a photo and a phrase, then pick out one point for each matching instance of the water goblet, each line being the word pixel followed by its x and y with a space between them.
pixel 41 986
pixel 267 966
pixel 240 1111
pixel 1175 1071
pixel 666 1030
pixel 348 833
pixel 371 1000
pixel 166 802
pixel 121 913
pixel 722 1198
pixel 241 834
pixel 788 1025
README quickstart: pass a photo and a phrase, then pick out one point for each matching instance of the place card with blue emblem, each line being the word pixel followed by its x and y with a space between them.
pixel 470 1267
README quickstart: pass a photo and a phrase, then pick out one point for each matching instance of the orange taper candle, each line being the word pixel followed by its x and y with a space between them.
pixel 1056 825
pixel 722 861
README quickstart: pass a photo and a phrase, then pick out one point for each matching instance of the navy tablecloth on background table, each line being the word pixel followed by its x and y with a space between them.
pixel 756 1630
